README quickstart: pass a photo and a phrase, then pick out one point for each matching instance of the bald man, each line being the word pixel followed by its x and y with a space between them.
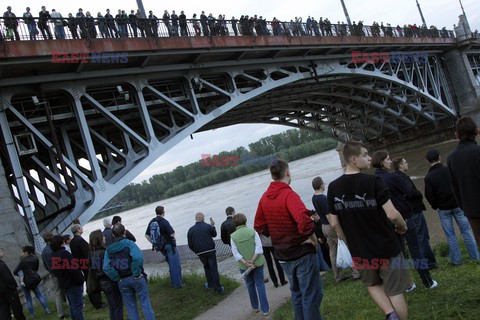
pixel 200 240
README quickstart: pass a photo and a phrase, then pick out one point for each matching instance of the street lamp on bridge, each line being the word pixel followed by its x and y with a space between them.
pixel 421 14
pixel 346 13
pixel 142 9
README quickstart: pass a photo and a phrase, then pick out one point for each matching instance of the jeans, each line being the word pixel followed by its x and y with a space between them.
pixel 75 300
pixel 40 298
pixel 268 252
pixel 59 32
pixel 209 261
pixel 411 237
pixel 173 259
pixel 305 286
pixel 32 31
pixel 129 287
pixel 424 239
pixel 446 218
pixel 114 299
pixel 321 262
pixel 255 284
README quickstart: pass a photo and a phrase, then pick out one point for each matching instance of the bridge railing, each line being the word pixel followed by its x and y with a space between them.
pixel 12 29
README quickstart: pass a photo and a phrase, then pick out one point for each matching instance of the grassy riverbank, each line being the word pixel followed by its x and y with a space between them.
pixel 456 297
pixel 174 304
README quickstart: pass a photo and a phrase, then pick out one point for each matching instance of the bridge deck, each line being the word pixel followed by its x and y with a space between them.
pixel 26 62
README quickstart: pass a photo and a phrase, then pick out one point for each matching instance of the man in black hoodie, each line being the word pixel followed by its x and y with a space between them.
pixel 9 299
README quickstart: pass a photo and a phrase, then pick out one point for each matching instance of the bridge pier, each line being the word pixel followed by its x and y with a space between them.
pixel 467 90
pixel 13 233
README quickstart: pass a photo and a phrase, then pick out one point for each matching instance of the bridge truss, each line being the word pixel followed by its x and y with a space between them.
pixel 72 142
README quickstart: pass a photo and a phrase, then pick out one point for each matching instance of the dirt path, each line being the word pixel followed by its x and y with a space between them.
pixel 237 305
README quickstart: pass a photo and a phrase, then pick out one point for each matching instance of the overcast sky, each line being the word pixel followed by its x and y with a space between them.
pixel 436 12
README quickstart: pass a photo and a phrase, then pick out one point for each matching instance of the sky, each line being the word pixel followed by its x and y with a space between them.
pixel 436 12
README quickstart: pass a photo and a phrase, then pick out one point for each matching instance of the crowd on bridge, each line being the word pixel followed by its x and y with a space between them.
pixel 86 25
pixel 375 215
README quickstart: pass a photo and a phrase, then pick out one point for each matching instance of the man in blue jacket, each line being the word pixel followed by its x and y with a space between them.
pixel 200 240
pixel 123 262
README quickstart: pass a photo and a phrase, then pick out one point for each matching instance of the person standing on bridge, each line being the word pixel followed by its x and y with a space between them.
pixel 282 215
pixel 361 212
pixel 30 22
pixel 162 236
pixel 464 168
pixel 43 17
pixel 11 24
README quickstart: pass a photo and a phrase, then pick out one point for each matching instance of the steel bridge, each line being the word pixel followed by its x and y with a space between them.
pixel 75 134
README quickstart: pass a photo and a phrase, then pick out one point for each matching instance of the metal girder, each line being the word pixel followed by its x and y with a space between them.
pixel 107 140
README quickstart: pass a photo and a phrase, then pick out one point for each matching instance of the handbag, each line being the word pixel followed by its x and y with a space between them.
pixel 93 283
pixel 31 279
pixel 344 258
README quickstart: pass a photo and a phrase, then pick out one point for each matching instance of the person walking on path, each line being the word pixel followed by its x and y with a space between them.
pixel 438 192
pixel 361 212
pixel 464 168
pixel 399 193
pixel 131 278
pixel 400 165
pixel 30 280
pixel 282 215
pixel 160 229
pixel 9 300
pixel 200 240
pixel 227 227
pixel 247 251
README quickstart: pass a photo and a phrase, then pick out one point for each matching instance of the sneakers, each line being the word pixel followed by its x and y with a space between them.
pixel 221 291
pixel 284 282
pixel 206 285
pixel 434 284
pixel 411 288
pixel 256 310
pixel 266 313
pixel 392 316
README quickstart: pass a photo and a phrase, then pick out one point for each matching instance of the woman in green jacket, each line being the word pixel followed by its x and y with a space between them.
pixel 247 251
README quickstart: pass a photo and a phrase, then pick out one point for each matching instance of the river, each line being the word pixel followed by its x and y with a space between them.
pixel 244 193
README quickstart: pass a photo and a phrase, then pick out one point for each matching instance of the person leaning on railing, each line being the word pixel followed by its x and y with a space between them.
pixel 30 22
pixel 11 24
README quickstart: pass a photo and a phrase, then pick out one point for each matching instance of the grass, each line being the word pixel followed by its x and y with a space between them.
pixel 456 297
pixel 186 303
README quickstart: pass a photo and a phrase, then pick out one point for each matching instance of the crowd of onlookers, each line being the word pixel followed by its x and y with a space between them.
pixel 134 24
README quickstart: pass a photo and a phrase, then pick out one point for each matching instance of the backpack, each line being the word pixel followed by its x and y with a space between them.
pixel 158 241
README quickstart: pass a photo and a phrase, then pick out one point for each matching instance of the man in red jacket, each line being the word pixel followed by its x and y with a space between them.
pixel 282 215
